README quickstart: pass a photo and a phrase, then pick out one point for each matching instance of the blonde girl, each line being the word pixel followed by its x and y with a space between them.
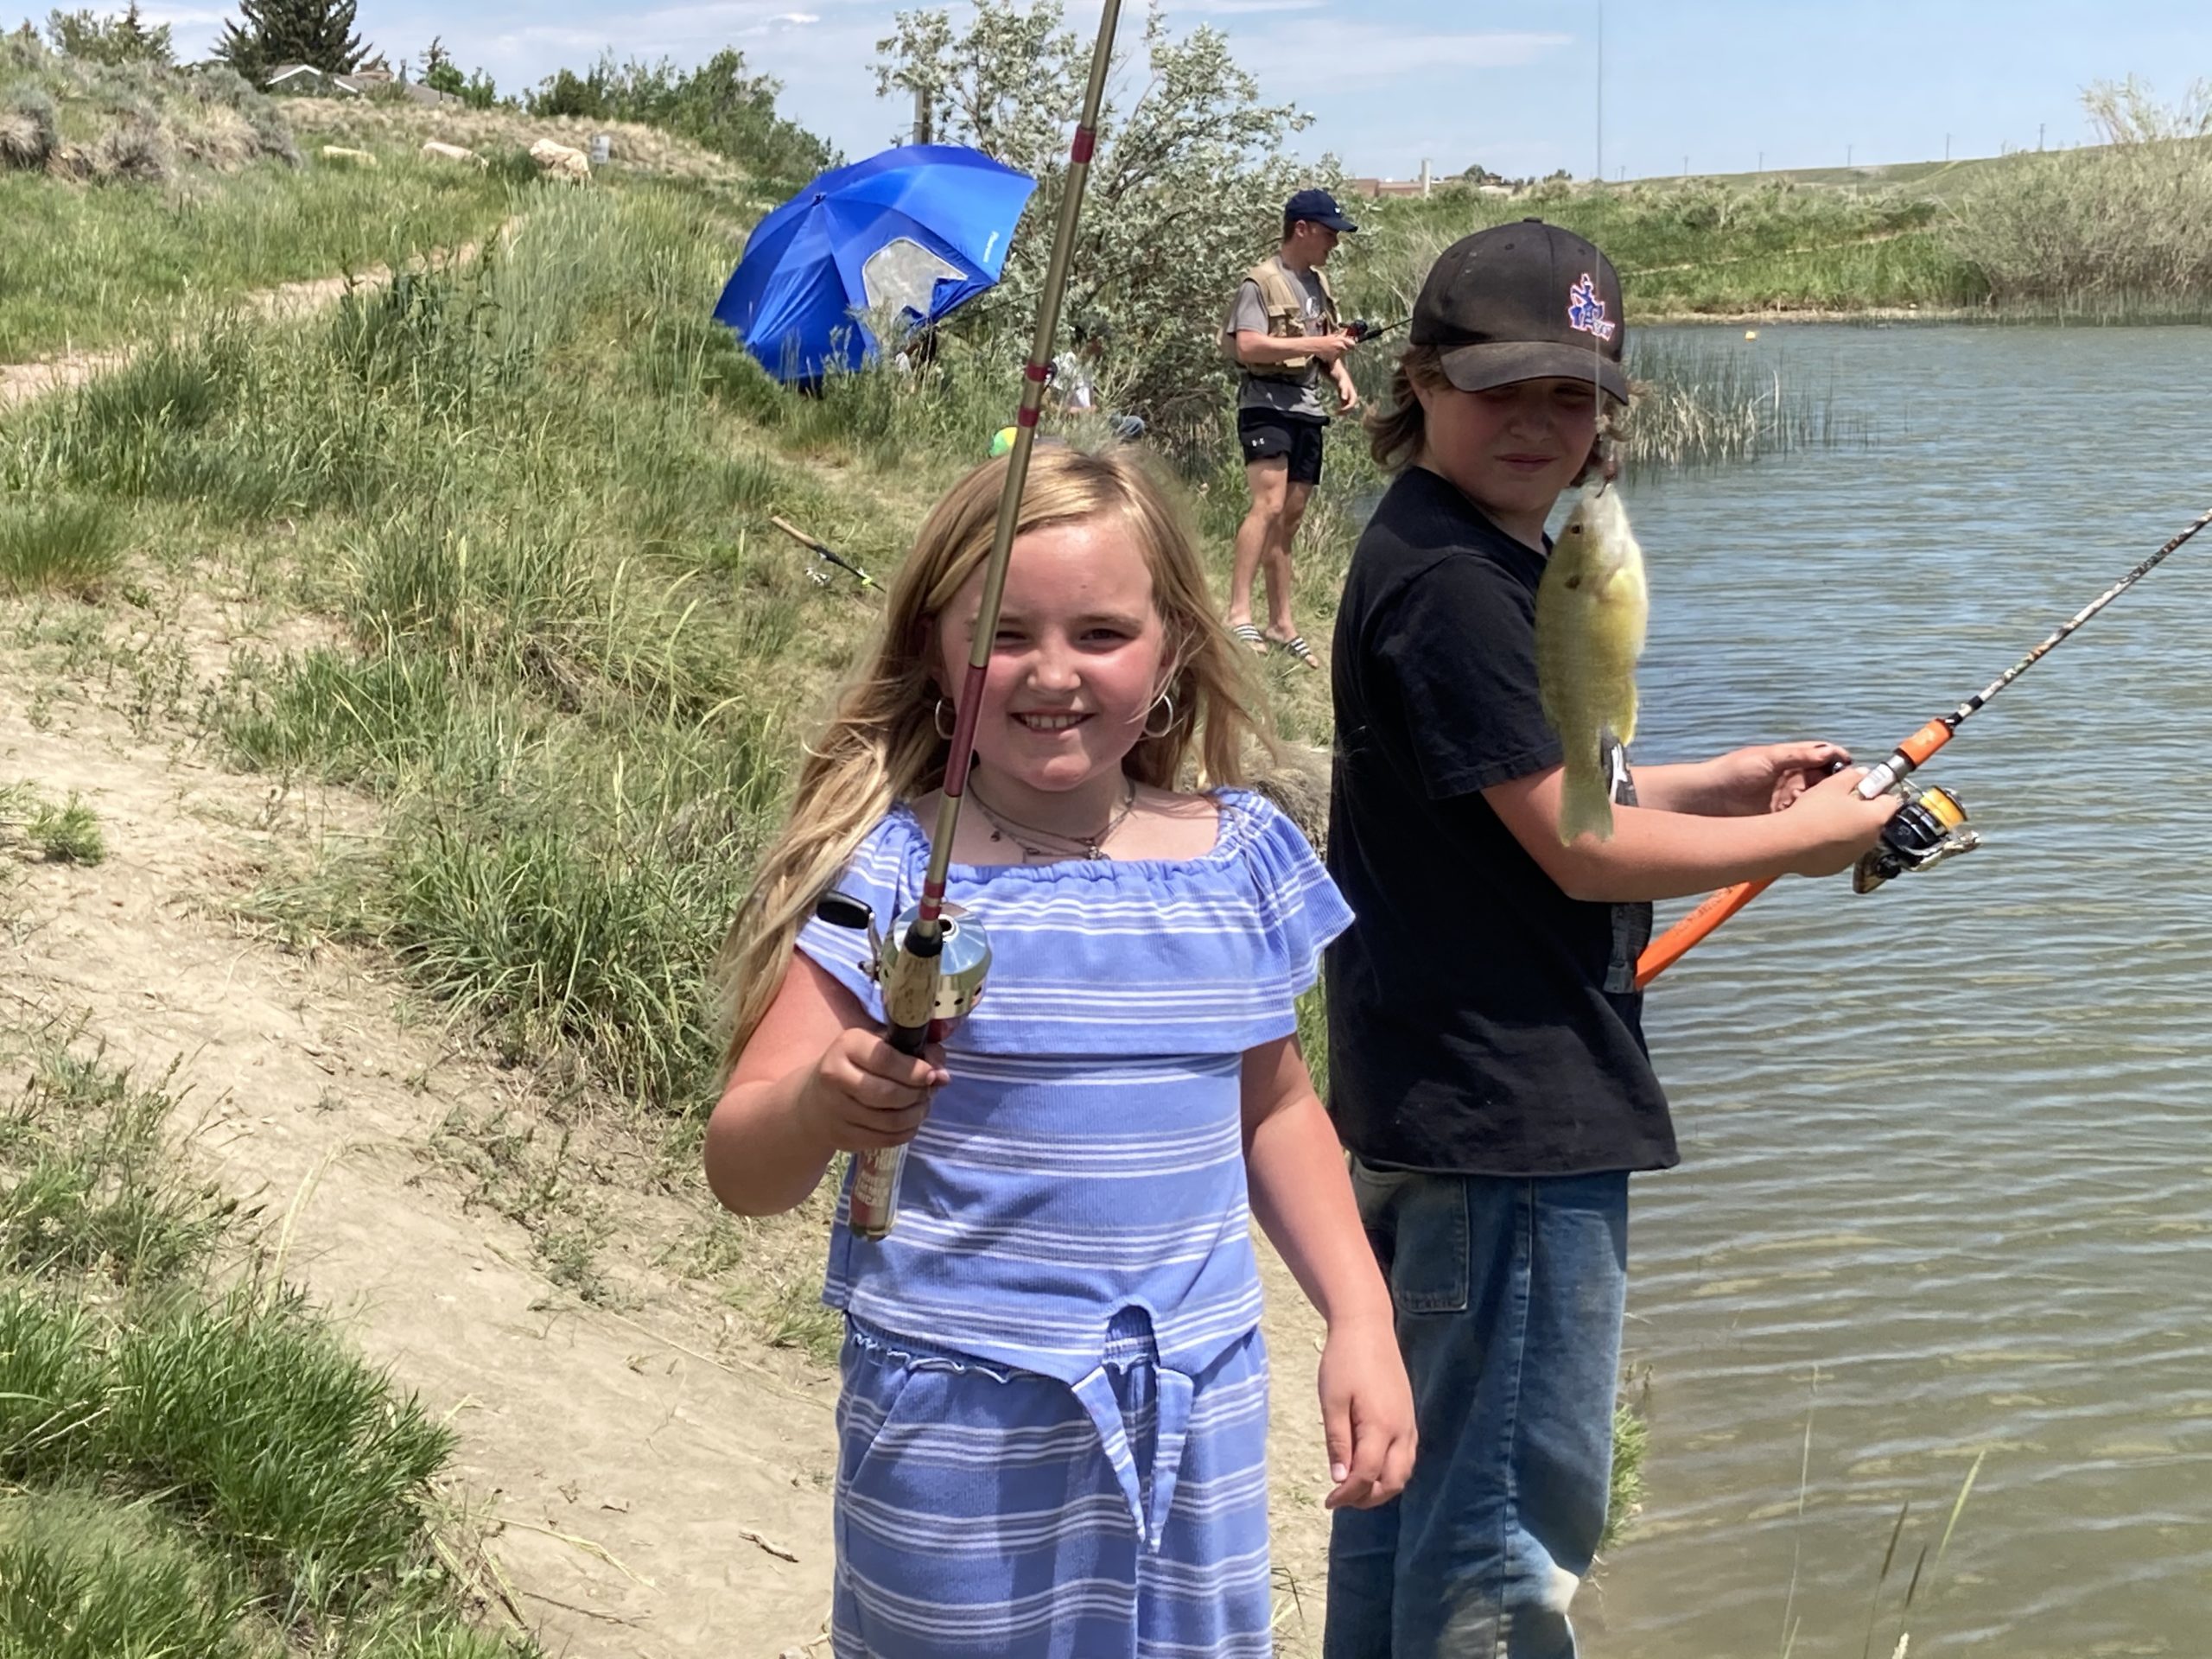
pixel 1054 1412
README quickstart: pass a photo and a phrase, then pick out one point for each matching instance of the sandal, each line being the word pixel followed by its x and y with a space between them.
pixel 1297 647
pixel 1247 633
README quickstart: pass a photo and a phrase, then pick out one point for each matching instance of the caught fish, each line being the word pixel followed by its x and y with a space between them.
pixel 1590 608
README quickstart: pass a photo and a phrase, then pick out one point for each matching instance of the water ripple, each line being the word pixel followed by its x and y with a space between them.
pixel 1947 1180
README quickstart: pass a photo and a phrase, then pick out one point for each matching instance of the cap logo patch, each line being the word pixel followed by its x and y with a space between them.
pixel 1585 311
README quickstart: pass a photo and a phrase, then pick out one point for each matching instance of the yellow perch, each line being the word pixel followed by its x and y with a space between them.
pixel 1590 608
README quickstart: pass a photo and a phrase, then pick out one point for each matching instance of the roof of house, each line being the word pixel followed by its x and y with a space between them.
pixel 362 82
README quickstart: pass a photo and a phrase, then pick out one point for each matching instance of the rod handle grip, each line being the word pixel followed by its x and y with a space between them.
pixel 910 1001
pixel 1677 941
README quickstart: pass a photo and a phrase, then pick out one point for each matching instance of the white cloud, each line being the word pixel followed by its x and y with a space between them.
pixel 1302 55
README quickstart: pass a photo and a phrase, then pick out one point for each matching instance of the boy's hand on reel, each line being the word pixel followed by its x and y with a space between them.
pixel 865 1096
pixel 1767 777
pixel 1838 826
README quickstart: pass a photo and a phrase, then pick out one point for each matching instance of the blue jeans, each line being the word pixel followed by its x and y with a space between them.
pixel 1508 1295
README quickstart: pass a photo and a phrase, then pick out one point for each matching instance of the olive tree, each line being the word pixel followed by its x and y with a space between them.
pixel 1186 188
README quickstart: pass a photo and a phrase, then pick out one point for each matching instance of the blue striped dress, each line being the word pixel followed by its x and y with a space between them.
pixel 1053 1425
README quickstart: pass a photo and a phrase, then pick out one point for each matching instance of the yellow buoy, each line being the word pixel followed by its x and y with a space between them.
pixel 1751 333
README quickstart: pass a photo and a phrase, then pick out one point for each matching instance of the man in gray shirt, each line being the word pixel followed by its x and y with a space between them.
pixel 1284 331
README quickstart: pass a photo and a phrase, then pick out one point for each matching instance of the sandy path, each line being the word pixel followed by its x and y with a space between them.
pixel 632 1470
pixel 650 1471
pixel 21 382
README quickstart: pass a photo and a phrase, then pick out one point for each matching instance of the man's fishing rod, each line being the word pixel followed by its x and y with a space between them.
pixel 1362 331
pixel 931 967
pixel 1932 824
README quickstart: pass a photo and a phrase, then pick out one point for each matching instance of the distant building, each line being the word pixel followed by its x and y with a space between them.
pixel 1373 188
pixel 298 80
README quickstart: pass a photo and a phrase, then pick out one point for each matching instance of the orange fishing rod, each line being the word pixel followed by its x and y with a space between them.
pixel 1932 824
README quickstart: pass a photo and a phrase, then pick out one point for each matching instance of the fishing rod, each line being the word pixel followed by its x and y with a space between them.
pixel 823 551
pixel 1362 331
pixel 933 965
pixel 1931 825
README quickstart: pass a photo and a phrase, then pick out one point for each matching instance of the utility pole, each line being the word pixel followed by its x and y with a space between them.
pixel 1947 147
pixel 2039 135
pixel 1686 169
pixel 921 117
pixel 1847 157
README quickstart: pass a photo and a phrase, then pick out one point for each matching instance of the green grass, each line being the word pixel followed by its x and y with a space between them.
pixel 2105 233
pixel 192 198
pixel 527 497
pixel 82 269
pixel 1624 1495
pixel 68 834
pixel 1694 248
pixel 65 834
pixel 60 545
pixel 145 1379
pixel 81 1577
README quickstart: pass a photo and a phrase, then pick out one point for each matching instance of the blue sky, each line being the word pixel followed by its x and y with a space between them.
pixel 1721 83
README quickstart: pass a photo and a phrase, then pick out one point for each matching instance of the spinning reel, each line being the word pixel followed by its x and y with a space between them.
pixel 1930 827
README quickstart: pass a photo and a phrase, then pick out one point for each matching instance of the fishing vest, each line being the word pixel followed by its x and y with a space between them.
pixel 1285 303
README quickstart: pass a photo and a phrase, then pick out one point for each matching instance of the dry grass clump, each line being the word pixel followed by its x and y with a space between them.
pixel 135 153
pixel 28 133
pixel 134 122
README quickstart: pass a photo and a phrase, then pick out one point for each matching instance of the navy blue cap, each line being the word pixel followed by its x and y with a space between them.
pixel 1317 206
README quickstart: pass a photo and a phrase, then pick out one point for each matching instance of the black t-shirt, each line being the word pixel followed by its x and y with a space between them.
pixel 1480 1020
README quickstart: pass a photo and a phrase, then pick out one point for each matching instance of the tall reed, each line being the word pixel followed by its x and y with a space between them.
pixel 1701 401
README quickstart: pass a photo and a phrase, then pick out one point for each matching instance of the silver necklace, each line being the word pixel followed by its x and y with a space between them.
pixel 1005 828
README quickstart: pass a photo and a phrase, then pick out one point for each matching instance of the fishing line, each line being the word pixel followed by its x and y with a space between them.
pixel 1936 827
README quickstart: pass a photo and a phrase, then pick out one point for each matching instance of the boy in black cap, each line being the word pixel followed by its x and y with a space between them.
pixel 1486 1052
pixel 1284 329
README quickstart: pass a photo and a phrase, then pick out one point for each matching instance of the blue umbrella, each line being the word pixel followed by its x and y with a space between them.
pixel 923 228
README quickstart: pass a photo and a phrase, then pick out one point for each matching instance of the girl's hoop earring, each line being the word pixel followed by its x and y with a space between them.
pixel 939 721
pixel 1167 726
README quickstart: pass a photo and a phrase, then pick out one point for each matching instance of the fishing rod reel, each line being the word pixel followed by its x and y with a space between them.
pixel 931 977
pixel 962 960
pixel 1930 827
pixel 1362 330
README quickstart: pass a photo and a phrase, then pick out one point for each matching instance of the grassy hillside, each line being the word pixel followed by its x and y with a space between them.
pixel 128 195
pixel 131 196
pixel 150 1358
pixel 1704 247
pixel 2107 232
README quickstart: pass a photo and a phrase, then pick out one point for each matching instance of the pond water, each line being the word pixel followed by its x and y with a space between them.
pixel 1947 1180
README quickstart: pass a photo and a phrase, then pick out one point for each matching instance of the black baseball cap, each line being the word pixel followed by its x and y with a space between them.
pixel 1319 206
pixel 1524 301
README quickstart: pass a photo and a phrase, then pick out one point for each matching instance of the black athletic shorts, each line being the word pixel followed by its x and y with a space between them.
pixel 1262 433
